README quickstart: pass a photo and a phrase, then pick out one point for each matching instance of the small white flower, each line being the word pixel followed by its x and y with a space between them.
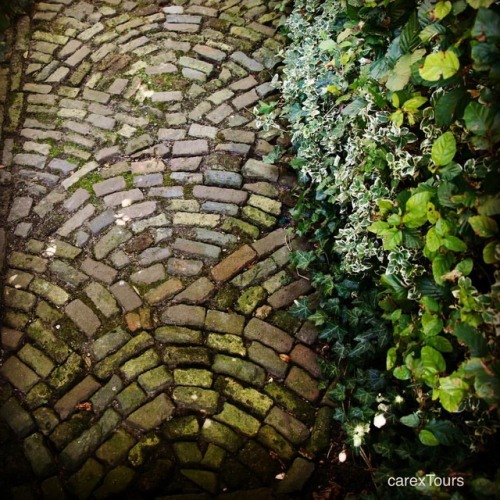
pixel 399 399
pixel 356 441
pixel 342 456
pixel 379 420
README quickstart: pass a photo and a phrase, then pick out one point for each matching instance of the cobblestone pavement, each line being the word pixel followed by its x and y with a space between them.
pixel 147 347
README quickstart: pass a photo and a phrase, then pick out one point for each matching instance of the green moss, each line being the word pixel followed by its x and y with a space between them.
pixel 167 179
pixel 69 334
pixel 225 297
pixel 163 81
pixel 285 321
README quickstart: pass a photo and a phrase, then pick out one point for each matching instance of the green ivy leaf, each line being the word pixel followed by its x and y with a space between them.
pixel 442 9
pixel 440 64
pixel 427 437
pixel 378 227
pixel 444 149
pixel 483 226
pixel 412 420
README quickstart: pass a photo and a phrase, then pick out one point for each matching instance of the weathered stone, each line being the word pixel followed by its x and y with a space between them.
pixel 152 414
pixel 35 359
pixel 268 359
pixel 184 267
pixel 197 292
pixel 178 335
pixel 126 296
pixel 184 315
pixel 197 248
pixel 240 369
pixel 232 344
pixel 303 384
pixel 186 356
pixel 182 427
pixel 252 400
pixel 111 240
pixel 232 264
pixel 102 299
pixel 99 271
pixel 163 291
pixel 19 375
pixel 288 294
pixel 220 435
pixel 239 420
pixel 83 317
pixel 155 380
pixel 254 169
pixel 224 322
pixel 268 335
pixel 81 392
pixel 134 367
pixel 275 442
pixel 115 449
pixel 296 477
pixel 148 275
pixel 193 377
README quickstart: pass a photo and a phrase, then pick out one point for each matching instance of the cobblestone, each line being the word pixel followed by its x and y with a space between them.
pixel 144 225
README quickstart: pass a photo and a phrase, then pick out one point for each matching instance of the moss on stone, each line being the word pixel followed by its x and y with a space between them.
pixel 285 321
pixel 225 297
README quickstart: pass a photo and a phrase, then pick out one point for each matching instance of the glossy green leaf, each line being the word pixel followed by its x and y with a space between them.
pixel 430 31
pixel 402 373
pixel 440 64
pixel 409 38
pixel 442 9
pixel 444 149
pixel 392 355
pixel 487 25
pixel 478 118
pixel 452 391
pixel 439 343
pixel 449 105
pixel 489 206
pixel 454 244
pixel 416 209
pixel 431 324
pixel 392 238
pixel 472 338
pixel 491 252
pixel 465 266
pixel 427 437
pixel 440 266
pixel 477 4
pixel 432 358
pixel 483 226
pixel 412 420
pixel 400 75
pixel 433 240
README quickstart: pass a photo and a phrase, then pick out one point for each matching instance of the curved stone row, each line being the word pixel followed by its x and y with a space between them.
pixel 147 344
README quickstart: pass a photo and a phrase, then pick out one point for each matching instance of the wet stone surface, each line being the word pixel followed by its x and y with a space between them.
pixel 147 350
